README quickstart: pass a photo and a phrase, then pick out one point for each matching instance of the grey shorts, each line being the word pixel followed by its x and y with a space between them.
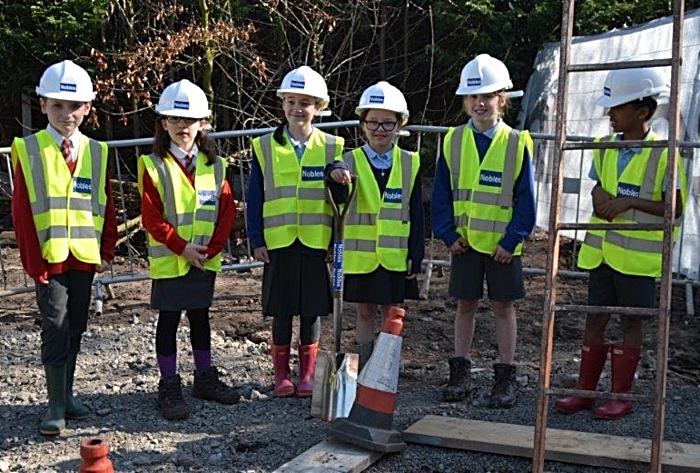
pixel 503 281
pixel 609 287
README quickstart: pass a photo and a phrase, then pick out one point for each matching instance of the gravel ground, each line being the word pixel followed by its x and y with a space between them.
pixel 117 378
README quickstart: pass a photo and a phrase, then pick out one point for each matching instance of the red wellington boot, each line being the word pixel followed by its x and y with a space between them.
pixel 283 376
pixel 592 361
pixel 94 452
pixel 307 367
pixel 624 360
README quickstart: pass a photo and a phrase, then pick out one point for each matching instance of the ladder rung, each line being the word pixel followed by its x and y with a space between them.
pixel 606 66
pixel 601 395
pixel 574 145
pixel 609 226
pixel 607 309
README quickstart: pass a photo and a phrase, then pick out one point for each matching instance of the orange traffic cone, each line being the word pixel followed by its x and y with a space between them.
pixel 94 452
pixel 370 422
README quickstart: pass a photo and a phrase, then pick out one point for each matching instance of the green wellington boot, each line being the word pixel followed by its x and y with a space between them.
pixel 55 419
pixel 74 409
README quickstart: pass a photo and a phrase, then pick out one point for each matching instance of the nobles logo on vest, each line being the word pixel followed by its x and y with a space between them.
pixel 627 190
pixel 392 196
pixel 82 185
pixel 490 178
pixel 311 173
pixel 206 197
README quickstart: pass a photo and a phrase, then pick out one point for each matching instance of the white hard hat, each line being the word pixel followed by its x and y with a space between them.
pixel 66 81
pixel 627 85
pixel 183 99
pixel 482 75
pixel 384 96
pixel 306 81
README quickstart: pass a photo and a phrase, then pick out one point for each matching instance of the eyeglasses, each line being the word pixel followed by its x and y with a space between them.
pixel 373 125
pixel 175 120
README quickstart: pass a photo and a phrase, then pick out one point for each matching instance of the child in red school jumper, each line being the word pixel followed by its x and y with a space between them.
pixel 66 228
pixel 290 224
pixel 188 210
pixel 483 208
pixel 624 265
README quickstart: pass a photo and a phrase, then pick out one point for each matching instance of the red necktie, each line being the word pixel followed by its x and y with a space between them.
pixel 65 149
pixel 189 159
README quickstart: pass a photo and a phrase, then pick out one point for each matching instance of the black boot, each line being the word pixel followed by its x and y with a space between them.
pixel 74 409
pixel 460 383
pixel 170 401
pixel 209 387
pixel 55 419
pixel 505 387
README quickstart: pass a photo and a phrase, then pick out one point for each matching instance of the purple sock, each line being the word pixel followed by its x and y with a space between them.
pixel 167 365
pixel 202 359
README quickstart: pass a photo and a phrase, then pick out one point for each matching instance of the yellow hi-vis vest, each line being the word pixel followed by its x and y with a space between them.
pixel 295 201
pixel 482 193
pixel 68 210
pixel 635 252
pixel 377 226
pixel 192 211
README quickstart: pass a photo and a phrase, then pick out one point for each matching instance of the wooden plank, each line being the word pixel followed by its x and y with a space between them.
pixel 562 445
pixel 331 457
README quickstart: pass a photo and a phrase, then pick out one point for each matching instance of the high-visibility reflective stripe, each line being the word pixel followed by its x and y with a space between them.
pixel 506 195
pixel 388 241
pixel 455 162
pixel 80 204
pixel 461 195
pixel 487 198
pixel 355 244
pixel 461 221
pixel 95 155
pixel 487 225
pixel 312 194
pixel 631 243
pixel 331 144
pixel 361 219
pixel 181 220
pixel 281 193
pixel 52 232
pixel 291 219
pixel 170 207
pixel 206 215
pixel 81 232
pixel 37 168
pixel 201 239
pixel 593 240
pixel 393 214
pixel 159 251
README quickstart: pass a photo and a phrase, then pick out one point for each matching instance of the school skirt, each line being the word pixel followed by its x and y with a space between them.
pixel 296 282
pixel 194 290
pixel 381 286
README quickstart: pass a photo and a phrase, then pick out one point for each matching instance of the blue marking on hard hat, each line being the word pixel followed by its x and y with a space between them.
pixel 181 104
pixel 376 99
pixel 607 91
pixel 66 87
pixel 297 84
pixel 474 81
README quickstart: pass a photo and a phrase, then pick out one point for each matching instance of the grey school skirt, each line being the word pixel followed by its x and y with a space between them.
pixel 194 290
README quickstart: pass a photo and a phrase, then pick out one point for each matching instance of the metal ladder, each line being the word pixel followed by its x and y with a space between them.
pixel 551 306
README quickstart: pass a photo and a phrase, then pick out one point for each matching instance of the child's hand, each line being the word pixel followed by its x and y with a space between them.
pixel 501 255
pixel 104 266
pixel 459 247
pixel 260 254
pixel 613 207
pixel 341 176
pixel 195 254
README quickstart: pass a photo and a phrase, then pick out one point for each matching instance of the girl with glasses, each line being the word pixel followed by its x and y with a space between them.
pixel 188 210
pixel 384 240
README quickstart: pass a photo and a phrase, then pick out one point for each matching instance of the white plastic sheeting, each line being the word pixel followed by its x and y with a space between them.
pixel 648 41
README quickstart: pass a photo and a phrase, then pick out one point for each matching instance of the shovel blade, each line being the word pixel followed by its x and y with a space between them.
pixel 335 384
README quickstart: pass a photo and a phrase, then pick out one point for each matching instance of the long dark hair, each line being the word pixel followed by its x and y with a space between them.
pixel 161 142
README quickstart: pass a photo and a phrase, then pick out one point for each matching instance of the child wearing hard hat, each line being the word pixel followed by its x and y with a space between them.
pixel 66 228
pixel 290 224
pixel 383 273
pixel 483 208
pixel 188 210
pixel 623 265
